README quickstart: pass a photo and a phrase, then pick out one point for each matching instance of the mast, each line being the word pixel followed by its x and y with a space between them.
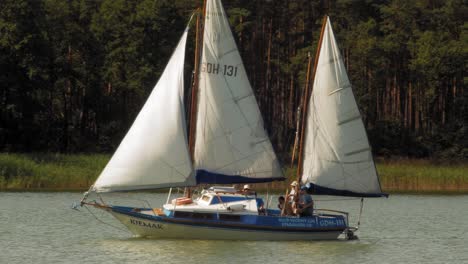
pixel 299 110
pixel 196 81
pixel 307 94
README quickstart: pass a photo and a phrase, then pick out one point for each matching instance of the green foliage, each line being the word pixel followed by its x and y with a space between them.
pixel 74 74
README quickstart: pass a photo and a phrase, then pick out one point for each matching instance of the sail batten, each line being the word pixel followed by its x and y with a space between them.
pixel 231 144
pixel 340 89
pixel 337 158
pixel 351 119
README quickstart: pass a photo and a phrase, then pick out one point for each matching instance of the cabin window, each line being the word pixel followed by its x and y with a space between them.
pixel 182 214
pixel 203 216
pixel 229 217
pixel 206 198
pixel 229 199
pixel 194 215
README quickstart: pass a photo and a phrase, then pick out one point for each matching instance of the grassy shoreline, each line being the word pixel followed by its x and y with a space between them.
pixel 60 172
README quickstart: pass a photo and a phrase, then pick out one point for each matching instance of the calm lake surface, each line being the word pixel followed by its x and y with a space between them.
pixel 42 228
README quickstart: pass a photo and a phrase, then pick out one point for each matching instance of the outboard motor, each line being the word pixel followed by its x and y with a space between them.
pixel 350 235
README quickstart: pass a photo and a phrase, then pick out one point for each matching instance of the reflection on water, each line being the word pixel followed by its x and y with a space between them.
pixel 176 251
pixel 41 228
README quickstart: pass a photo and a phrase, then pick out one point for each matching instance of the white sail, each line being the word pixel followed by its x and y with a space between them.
pixel 230 137
pixel 154 153
pixel 337 152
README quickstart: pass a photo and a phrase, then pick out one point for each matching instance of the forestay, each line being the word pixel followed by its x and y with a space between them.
pixel 231 144
pixel 337 157
pixel 154 153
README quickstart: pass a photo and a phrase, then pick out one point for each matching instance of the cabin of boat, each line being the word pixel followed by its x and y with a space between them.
pixel 217 199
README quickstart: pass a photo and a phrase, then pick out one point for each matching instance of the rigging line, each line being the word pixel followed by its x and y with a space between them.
pixel 129 196
pixel 360 213
pixel 99 220
pixel 337 199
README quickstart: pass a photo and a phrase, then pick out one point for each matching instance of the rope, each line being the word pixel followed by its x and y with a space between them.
pixel 99 220
pixel 337 199
pixel 360 213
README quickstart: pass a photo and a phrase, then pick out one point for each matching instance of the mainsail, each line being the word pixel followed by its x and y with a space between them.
pixel 154 153
pixel 231 145
pixel 337 156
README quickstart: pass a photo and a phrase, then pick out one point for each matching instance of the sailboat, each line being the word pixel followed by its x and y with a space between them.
pixel 226 145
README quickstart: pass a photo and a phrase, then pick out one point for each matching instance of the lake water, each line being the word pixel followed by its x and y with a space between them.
pixel 42 228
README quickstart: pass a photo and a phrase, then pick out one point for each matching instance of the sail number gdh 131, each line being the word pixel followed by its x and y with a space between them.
pixel 216 68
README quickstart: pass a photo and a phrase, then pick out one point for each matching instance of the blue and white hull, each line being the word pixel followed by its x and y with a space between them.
pixel 145 223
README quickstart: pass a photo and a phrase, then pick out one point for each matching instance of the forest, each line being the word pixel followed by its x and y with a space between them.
pixel 75 73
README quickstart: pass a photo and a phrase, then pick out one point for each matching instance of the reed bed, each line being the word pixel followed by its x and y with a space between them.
pixel 60 172
pixel 422 176
pixel 39 171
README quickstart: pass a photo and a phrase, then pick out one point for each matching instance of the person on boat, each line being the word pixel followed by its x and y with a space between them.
pixel 305 203
pixel 289 201
pixel 260 206
pixel 293 191
pixel 248 191
pixel 292 197
pixel 285 207
pixel 281 201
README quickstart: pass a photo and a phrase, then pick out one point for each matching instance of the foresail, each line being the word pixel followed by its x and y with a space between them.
pixel 337 157
pixel 154 153
pixel 231 143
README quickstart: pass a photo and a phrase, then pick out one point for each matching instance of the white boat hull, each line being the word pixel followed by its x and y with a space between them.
pixel 160 229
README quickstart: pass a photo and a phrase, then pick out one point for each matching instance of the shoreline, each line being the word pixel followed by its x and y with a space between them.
pixel 51 172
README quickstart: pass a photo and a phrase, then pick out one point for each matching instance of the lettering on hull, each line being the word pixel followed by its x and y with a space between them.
pixel 145 224
pixel 310 222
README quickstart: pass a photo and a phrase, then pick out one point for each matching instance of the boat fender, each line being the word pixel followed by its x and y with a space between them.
pixel 236 207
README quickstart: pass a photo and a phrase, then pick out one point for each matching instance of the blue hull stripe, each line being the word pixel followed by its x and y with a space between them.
pixel 317 189
pixel 207 177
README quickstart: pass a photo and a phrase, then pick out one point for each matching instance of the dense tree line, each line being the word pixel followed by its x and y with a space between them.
pixel 74 74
